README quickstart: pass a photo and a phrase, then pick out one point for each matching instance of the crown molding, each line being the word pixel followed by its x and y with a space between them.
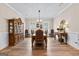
pixel 63 10
pixel 18 13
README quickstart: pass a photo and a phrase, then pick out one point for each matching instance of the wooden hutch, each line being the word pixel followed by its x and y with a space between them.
pixel 16 31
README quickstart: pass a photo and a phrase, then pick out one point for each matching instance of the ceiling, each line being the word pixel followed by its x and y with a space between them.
pixel 30 10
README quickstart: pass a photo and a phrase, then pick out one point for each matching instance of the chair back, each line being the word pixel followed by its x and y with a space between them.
pixel 52 31
pixel 39 34
pixel 26 31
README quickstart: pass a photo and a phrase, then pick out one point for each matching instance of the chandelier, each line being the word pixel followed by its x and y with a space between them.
pixel 39 21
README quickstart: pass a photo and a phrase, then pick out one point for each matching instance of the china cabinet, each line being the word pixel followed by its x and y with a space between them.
pixel 16 31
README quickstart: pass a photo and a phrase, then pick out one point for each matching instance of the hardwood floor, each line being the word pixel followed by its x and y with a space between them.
pixel 54 48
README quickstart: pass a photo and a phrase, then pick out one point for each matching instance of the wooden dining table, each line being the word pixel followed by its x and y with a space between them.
pixel 35 38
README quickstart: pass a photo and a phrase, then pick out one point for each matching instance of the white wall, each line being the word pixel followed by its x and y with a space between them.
pixel 34 20
pixel 71 15
pixel 5 14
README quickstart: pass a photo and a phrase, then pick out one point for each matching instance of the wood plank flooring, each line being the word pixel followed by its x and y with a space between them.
pixel 54 48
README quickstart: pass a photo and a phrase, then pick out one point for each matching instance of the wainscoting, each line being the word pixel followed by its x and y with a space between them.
pixel 73 40
pixel 3 40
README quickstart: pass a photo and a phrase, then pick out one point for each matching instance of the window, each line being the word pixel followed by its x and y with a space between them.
pixel 45 26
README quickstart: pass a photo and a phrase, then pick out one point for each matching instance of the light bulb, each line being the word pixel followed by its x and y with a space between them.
pixel 37 20
pixel 40 20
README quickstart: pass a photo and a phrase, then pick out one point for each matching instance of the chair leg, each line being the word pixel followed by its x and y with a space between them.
pixel 32 42
pixel 46 43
